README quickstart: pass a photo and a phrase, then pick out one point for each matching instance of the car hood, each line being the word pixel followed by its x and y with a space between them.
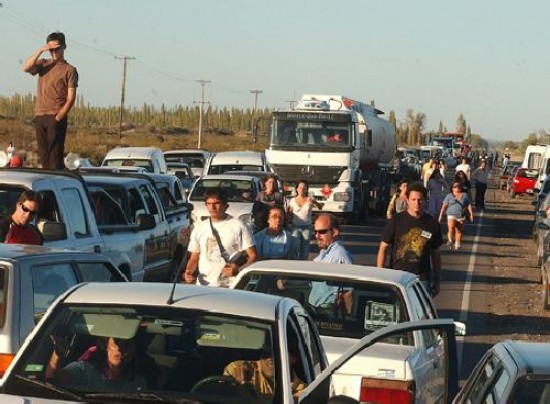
pixel 9 399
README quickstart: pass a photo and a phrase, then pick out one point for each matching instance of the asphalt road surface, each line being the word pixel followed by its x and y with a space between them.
pixel 491 283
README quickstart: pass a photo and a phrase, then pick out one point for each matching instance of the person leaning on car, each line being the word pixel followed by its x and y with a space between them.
pixel 208 264
pixel 17 228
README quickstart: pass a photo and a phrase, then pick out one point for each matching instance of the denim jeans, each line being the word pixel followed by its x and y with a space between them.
pixel 300 238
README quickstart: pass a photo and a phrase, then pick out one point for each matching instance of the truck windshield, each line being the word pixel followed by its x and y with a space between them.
pixel 304 133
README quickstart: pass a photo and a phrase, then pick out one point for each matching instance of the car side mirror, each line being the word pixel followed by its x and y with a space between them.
pixel 52 231
pixel 460 329
pixel 145 221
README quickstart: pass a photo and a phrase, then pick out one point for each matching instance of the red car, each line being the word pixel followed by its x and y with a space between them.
pixel 523 182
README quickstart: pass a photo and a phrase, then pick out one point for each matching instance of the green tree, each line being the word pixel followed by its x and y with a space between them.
pixel 461 124
pixel 392 119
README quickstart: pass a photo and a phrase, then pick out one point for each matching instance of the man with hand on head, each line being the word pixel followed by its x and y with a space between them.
pixel 55 96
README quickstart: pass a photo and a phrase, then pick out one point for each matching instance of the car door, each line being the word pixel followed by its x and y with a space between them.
pixel 157 244
pixel 320 389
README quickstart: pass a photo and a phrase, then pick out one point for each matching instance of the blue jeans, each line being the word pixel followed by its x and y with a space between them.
pixel 299 247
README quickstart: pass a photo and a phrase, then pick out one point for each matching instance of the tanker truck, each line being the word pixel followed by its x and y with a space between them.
pixel 341 147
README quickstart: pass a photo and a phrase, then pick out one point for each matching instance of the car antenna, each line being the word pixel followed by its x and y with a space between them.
pixel 177 277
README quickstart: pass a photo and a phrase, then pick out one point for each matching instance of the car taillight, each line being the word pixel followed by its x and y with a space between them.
pixel 386 391
pixel 5 360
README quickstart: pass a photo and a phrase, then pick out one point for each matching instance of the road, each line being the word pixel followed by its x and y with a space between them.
pixel 490 284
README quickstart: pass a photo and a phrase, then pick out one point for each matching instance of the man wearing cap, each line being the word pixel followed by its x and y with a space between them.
pixel 17 228
pixel 55 96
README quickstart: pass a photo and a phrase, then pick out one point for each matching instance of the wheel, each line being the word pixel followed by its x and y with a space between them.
pixel 225 386
pixel 512 193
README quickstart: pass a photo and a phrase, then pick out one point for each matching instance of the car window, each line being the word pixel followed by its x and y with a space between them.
pixel 339 308
pixel 430 336
pixel 530 390
pixel 3 294
pixel 75 209
pixel 97 272
pixel 310 341
pixel 136 203
pixel 482 378
pixel 8 198
pixel 178 352
pixel 499 385
pixel 297 357
pixel 50 281
pixel 149 199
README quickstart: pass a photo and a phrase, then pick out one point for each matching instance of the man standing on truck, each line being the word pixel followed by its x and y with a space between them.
pixel 55 96
pixel 415 237
pixel 17 228
pixel 215 242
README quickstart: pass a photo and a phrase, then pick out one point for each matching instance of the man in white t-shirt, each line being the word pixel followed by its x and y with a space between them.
pixel 206 265
pixel 464 167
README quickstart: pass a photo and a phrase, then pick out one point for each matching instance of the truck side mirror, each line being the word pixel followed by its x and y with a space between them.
pixel 52 231
pixel 145 221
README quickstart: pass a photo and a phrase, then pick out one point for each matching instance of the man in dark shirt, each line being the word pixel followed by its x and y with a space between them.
pixel 415 238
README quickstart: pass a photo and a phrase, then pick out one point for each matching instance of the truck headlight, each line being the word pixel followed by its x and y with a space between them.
pixel 341 197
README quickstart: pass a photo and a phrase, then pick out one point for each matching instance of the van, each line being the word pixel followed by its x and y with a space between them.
pixel 196 158
pixel 223 162
pixel 149 158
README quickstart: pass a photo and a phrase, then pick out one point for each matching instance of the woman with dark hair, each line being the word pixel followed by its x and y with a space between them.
pixel 398 202
pixel 456 204
pixel 300 211
pixel 436 186
pixel 111 367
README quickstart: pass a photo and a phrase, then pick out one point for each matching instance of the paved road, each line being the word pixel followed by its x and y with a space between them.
pixel 466 277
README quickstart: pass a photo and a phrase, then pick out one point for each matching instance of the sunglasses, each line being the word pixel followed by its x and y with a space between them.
pixel 322 231
pixel 27 210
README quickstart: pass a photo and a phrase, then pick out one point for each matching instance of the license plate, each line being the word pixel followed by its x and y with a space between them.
pixel 529 191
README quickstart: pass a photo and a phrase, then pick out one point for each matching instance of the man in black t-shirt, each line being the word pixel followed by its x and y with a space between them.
pixel 415 238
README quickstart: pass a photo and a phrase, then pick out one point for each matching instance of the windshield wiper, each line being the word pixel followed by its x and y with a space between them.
pixel 50 387
pixel 133 397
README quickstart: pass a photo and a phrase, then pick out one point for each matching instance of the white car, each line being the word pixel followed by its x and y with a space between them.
pixel 348 302
pixel 241 191
pixel 186 337
pixel 510 372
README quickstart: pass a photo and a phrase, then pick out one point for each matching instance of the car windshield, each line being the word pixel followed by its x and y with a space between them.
pixel 340 308
pixel 237 190
pixel 220 169
pixel 166 351
pixel 146 164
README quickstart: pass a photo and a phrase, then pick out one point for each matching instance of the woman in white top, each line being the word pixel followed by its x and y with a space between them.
pixel 300 211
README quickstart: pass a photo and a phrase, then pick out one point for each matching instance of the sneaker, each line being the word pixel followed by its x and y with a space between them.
pixel 457 246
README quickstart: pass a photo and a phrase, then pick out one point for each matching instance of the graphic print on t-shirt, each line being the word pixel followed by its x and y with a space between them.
pixel 410 247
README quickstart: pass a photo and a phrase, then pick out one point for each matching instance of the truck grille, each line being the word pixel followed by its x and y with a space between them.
pixel 313 174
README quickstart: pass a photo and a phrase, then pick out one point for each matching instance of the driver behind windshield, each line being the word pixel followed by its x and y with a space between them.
pixel 110 367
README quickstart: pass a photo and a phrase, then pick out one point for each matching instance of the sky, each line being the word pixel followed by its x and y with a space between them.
pixel 485 59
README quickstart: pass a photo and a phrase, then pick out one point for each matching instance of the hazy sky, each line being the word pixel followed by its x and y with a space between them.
pixel 486 59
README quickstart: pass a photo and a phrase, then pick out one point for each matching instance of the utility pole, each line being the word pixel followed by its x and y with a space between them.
pixel 122 91
pixel 290 104
pixel 201 102
pixel 254 129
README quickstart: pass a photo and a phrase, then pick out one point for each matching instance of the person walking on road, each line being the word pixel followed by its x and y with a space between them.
pixel 436 186
pixel 464 167
pixel 415 237
pixel 398 202
pixel 17 228
pixel 273 242
pixel 480 176
pixel 215 241
pixel 300 212
pixel 457 205
pixel 56 94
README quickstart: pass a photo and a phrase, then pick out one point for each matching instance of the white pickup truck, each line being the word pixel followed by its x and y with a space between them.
pixel 67 219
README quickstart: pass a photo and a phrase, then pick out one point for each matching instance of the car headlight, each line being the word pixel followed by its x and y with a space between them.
pixel 341 197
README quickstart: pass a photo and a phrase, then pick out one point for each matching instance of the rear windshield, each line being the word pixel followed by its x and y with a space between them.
pixel 237 190
pixel 528 174
pixel 129 163
pixel 340 308
pixel 220 169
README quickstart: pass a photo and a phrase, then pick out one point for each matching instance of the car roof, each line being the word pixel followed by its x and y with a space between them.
pixel 227 177
pixel 191 297
pixel 30 175
pixel 325 270
pixel 532 357
pixel 123 180
pixel 17 251
pixel 185 151
pixel 132 152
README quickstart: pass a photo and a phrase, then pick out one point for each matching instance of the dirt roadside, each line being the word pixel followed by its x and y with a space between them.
pixel 515 293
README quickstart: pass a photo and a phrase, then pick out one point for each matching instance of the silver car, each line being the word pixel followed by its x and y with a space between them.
pixel 31 278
